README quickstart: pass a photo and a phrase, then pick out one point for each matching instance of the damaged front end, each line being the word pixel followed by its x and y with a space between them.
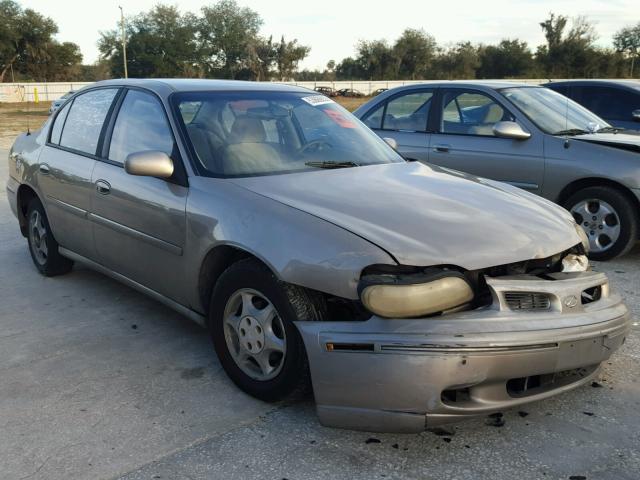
pixel 495 338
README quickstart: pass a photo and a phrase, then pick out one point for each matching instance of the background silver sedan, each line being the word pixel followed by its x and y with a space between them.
pixel 528 136
pixel 311 250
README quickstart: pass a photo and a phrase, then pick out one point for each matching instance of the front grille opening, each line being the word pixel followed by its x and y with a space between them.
pixel 458 395
pixel 533 384
pixel 591 295
pixel 527 301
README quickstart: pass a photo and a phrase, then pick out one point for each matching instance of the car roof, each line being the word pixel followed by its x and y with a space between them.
pixel 598 82
pixel 170 85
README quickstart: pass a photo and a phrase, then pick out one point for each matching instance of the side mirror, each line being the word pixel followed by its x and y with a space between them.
pixel 149 164
pixel 636 114
pixel 391 142
pixel 510 130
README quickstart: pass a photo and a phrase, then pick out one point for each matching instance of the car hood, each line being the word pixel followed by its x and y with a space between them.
pixel 624 140
pixel 424 215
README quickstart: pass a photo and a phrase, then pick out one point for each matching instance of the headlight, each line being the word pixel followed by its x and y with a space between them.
pixel 405 296
pixel 583 237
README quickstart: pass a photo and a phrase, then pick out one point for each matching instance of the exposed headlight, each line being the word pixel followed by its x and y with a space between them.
pixel 583 237
pixel 404 296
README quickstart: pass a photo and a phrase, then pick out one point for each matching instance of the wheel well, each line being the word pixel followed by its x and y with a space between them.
pixel 25 195
pixel 596 182
pixel 215 263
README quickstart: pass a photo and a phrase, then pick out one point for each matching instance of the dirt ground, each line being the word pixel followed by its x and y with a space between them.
pixel 15 118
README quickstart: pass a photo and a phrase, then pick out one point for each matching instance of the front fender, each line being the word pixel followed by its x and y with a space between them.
pixel 298 247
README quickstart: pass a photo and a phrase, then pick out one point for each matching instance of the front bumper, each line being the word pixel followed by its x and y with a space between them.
pixel 407 375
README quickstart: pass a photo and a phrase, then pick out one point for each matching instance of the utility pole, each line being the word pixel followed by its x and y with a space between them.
pixel 124 42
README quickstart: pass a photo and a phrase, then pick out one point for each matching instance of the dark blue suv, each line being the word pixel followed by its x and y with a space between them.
pixel 616 101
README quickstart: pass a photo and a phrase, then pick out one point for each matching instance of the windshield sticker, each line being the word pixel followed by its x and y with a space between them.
pixel 315 100
pixel 339 118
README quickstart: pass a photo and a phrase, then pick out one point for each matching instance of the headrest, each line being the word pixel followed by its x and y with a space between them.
pixel 247 130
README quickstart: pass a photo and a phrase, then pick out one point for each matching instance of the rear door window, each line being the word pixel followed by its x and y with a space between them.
pixel 56 131
pixel 408 112
pixel 81 131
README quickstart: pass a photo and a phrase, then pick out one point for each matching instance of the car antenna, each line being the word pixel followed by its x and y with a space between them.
pixel 28 112
pixel 566 123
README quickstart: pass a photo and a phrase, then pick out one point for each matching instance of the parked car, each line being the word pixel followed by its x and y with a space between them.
pixel 56 104
pixel 309 248
pixel 377 92
pixel 350 92
pixel 528 136
pixel 328 91
pixel 616 101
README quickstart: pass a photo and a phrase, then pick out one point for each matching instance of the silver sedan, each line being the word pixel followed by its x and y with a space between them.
pixel 406 295
pixel 528 136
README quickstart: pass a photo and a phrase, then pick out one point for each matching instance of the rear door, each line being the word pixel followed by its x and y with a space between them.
pixel 139 222
pixel 66 166
pixel 403 117
pixel 465 141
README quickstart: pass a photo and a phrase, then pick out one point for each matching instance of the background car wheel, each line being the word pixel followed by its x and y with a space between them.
pixel 42 246
pixel 251 325
pixel 609 219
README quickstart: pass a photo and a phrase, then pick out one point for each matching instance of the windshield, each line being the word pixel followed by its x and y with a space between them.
pixel 553 113
pixel 262 133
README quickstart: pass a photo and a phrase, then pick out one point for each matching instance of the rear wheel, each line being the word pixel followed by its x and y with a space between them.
pixel 251 324
pixel 608 218
pixel 42 246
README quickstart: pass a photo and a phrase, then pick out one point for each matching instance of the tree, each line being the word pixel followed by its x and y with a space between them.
pixel 376 59
pixel 508 59
pixel 27 45
pixel 414 53
pixel 160 43
pixel 288 55
pixel 627 42
pixel 227 33
pixel 457 62
pixel 567 54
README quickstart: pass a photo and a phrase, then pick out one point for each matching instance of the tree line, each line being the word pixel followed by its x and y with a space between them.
pixel 224 40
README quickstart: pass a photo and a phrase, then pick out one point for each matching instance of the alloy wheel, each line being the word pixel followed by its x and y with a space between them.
pixel 600 221
pixel 38 237
pixel 254 334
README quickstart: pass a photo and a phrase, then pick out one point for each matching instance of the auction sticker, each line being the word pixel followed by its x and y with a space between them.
pixel 315 100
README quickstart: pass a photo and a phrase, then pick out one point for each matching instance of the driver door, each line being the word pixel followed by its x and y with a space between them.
pixel 139 223
pixel 465 141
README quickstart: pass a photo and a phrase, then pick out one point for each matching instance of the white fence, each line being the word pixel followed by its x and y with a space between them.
pixel 45 92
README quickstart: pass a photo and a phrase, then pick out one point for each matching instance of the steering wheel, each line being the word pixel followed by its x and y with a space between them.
pixel 315 145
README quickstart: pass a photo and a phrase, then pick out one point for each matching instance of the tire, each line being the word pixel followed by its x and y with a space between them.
pixel 42 246
pixel 608 218
pixel 232 315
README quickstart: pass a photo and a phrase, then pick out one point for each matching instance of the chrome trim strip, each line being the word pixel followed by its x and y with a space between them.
pixel 525 185
pixel 138 235
pixel 67 207
pixel 449 349
pixel 181 309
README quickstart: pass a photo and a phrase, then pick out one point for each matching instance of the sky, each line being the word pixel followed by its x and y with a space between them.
pixel 332 27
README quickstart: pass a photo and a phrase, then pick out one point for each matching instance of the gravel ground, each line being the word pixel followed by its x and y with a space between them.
pixel 99 381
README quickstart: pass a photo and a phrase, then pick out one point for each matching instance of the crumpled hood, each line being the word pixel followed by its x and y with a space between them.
pixel 624 140
pixel 426 215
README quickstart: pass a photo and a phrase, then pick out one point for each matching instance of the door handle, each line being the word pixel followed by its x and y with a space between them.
pixel 441 148
pixel 103 187
pixel 44 169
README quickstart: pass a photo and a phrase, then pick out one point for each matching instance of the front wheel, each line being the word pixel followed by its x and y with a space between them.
pixel 251 321
pixel 42 246
pixel 608 218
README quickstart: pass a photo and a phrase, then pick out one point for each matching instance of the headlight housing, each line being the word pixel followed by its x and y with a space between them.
pixel 415 295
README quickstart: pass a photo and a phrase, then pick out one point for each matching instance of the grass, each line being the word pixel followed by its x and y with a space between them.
pixel 351 103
